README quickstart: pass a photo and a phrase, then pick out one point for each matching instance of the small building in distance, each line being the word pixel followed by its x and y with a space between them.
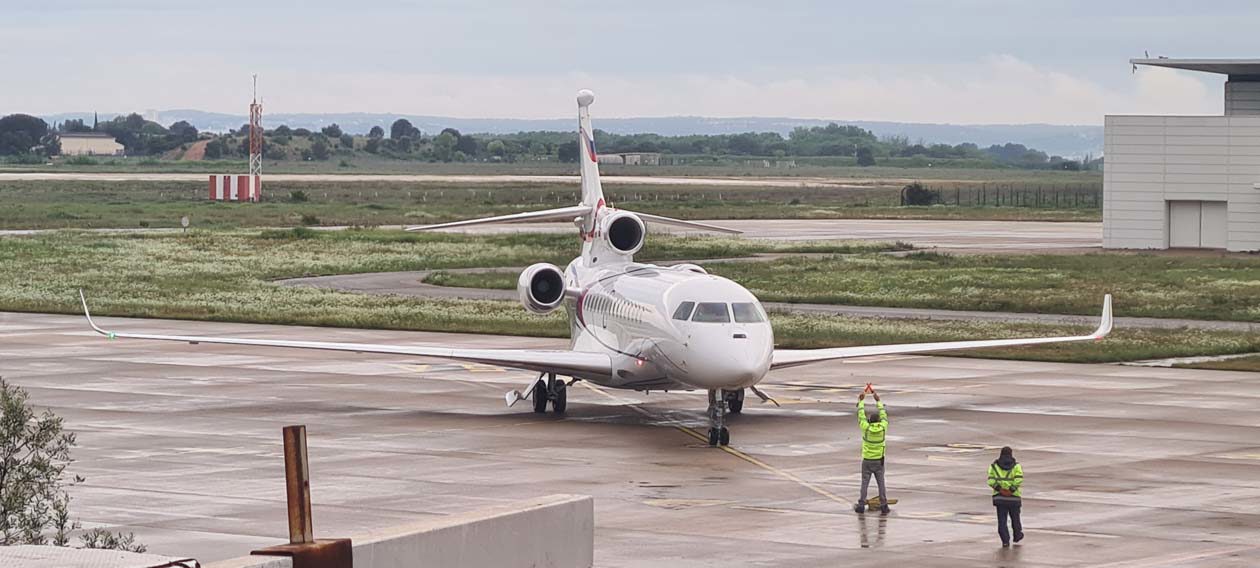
pixel 1187 181
pixel 89 144
pixel 632 158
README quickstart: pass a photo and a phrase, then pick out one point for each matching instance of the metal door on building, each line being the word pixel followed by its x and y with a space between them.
pixel 1197 224
pixel 1213 225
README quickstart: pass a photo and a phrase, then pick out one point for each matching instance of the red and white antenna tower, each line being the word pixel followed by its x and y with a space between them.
pixel 255 143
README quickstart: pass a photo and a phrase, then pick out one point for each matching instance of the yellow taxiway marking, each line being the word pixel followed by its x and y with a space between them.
pixel 764 509
pixel 732 451
pixel 414 368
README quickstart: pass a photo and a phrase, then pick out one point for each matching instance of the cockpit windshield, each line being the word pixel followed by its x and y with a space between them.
pixel 711 312
pixel 746 312
pixel 684 311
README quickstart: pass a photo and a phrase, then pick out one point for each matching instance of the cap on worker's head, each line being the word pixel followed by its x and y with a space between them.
pixel 1007 452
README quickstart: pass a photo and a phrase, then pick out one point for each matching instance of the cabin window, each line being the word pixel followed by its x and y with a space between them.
pixel 712 312
pixel 746 312
pixel 684 311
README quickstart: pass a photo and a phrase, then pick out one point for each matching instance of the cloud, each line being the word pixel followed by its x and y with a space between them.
pixel 1168 91
pixel 999 89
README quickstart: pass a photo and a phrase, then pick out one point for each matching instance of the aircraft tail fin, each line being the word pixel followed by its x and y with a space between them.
pixel 592 192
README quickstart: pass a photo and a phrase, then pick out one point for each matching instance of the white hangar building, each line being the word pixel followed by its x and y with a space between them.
pixel 1187 181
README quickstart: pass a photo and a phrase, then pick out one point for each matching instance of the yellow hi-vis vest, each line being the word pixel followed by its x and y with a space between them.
pixel 874 434
pixel 1006 479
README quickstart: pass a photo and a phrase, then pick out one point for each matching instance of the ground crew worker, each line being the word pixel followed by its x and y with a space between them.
pixel 874 432
pixel 1005 478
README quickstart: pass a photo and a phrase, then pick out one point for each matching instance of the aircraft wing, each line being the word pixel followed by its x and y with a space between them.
pixel 784 358
pixel 560 214
pixel 562 362
pixel 648 218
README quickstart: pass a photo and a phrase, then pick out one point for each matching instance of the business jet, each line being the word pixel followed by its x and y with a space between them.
pixel 633 326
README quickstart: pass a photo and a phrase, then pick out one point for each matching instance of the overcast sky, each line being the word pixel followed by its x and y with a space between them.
pixel 961 61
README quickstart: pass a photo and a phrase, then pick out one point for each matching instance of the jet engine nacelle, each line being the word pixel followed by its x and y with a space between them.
pixel 541 287
pixel 688 267
pixel 624 232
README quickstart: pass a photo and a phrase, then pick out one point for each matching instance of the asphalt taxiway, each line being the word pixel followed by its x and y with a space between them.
pixel 1125 466
pixel 957 236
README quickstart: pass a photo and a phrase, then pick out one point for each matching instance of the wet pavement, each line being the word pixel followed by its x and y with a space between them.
pixel 1125 466
pixel 970 236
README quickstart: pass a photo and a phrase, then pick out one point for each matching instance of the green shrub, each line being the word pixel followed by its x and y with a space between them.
pixel 81 161
pixel 296 233
pixel 916 194
pixel 28 159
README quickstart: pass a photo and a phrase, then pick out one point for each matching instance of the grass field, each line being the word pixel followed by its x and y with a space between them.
pixel 216 274
pixel 1250 364
pixel 130 204
pixel 366 163
pixel 1147 285
pixel 224 276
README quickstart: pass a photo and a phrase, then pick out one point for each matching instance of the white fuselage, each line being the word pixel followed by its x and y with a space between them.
pixel 668 328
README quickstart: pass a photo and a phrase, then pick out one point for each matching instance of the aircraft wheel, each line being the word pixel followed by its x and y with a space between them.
pixel 735 401
pixel 562 398
pixel 724 436
pixel 540 397
pixel 714 437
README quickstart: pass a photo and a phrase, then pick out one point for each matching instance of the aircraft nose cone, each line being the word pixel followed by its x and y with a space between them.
pixel 732 366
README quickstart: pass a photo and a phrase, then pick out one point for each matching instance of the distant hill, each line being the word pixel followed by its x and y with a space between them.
pixel 1072 141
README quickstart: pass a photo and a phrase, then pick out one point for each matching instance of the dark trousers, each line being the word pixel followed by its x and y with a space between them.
pixel 1012 511
pixel 875 468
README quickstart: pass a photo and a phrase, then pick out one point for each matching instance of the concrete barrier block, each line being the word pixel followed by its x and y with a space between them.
pixel 555 531
pixel 253 562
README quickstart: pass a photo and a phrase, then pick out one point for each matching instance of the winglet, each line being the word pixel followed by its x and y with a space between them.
pixel 87 314
pixel 1104 326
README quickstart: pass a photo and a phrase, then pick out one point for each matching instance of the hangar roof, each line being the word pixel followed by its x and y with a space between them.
pixel 1222 66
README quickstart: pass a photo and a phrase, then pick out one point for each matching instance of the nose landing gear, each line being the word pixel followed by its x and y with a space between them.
pixel 734 400
pixel 718 434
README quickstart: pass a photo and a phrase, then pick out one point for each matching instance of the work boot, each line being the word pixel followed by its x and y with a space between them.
pixel 1006 544
pixel 859 508
pixel 1019 536
pixel 883 510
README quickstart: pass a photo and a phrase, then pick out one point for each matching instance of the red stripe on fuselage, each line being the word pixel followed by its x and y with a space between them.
pixel 580 302
pixel 594 221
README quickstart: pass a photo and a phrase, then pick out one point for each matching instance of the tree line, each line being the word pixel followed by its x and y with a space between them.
pixel 25 134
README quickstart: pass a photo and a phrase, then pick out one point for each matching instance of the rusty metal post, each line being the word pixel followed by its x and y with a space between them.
pixel 305 551
pixel 297 481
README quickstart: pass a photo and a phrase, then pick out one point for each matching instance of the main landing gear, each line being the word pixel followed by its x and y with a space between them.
pixel 718 401
pixel 555 391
